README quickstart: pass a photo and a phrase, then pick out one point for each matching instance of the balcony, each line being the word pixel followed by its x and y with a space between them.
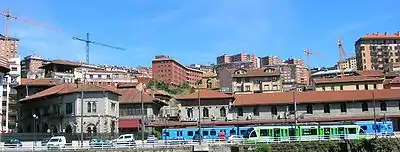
pixel 59 75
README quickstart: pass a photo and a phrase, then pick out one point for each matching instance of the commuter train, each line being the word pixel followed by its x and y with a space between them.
pixel 363 127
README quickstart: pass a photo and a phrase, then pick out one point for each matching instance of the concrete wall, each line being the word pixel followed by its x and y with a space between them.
pixel 349 86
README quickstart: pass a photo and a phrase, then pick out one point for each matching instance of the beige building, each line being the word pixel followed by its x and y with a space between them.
pixel 210 80
pixel 348 83
pixel 349 63
pixel 252 80
pixel 270 60
pixel 377 51
pixel 11 50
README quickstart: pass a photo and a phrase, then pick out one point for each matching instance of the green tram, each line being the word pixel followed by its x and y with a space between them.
pixel 265 134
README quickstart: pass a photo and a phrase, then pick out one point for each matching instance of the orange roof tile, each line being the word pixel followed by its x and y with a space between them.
pixel 133 96
pixel 145 80
pixel 346 79
pixel 67 88
pixel 315 97
pixel 395 80
pixel 371 73
pixel 40 82
pixel 127 84
pixel 206 94
pixel 381 36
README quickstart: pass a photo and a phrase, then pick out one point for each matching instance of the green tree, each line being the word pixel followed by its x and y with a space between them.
pixel 263 148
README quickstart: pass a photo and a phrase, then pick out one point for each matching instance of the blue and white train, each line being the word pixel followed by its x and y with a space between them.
pixel 366 127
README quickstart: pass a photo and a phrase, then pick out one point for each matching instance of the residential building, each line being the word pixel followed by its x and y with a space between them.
pixel 376 51
pixel 11 51
pixel 348 83
pixel 325 73
pixel 9 102
pixel 234 65
pixel 30 67
pixel 251 80
pixel 295 61
pixel 174 73
pixel 270 60
pixel 4 69
pixel 61 69
pixel 102 77
pixel 241 57
pixel 130 109
pixel 278 108
pixel 349 63
pixel 210 80
pixel 223 59
pixel 215 106
pixel 59 110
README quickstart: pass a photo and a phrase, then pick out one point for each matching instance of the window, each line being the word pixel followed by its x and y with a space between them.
pixel 323 88
pixel 327 108
pixel 364 106
pixel 190 113
pixel 383 106
pixel 310 109
pixel 91 107
pixel 90 76
pixel 341 87
pixel 291 108
pixel 274 110
pixel 399 105
pixel 366 86
pixel 247 88
pixel 357 87
pixel 205 112
pixel 240 111
pixel 68 108
pixel 253 134
pixel 333 88
pixel 222 112
pixel 375 86
pixel 343 107
pixel 205 133
pixel 213 132
pixel 263 132
pixel 190 133
pixel 113 107
pixel 256 111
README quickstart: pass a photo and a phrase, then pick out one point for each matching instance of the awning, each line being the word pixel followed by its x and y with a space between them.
pixel 129 123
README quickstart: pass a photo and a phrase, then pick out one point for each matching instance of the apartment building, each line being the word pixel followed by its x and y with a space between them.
pixel 113 78
pixel 251 80
pixel 349 63
pixel 58 109
pixel 4 69
pixel 233 60
pixel 172 72
pixel 376 51
pixel 11 50
pixel 30 67
pixel 348 83
pixel 270 60
pixel 9 98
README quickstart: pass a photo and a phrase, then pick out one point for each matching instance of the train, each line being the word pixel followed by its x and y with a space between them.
pixel 278 131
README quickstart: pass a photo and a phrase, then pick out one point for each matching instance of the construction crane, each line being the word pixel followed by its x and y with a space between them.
pixel 88 42
pixel 308 53
pixel 8 16
pixel 341 54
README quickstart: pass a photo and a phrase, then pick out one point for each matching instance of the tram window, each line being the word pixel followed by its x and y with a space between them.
pixel 292 132
pixel 352 130
pixel 190 133
pixel 263 132
pixel 232 132
pixel 242 132
pixel 213 133
pixel 166 133
pixel 205 133
pixel 253 134
pixel 341 130
pixel 196 132
pixel 310 132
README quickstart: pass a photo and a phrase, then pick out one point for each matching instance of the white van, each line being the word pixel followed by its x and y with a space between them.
pixel 125 140
pixel 57 142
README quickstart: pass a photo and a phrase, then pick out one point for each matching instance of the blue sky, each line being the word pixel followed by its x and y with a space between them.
pixel 197 31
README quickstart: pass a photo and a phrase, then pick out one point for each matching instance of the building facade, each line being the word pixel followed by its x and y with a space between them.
pixel 349 63
pixel 102 77
pixel 348 83
pixel 4 69
pixel 30 67
pixel 377 51
pixel 9 47
pixel 174 73
pixel 241 57
pixel 270 60
pixel 58 110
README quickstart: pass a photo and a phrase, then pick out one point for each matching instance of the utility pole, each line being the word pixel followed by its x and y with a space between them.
pixel 373 101
pixel 199 122
pixel 308 53
pixel 88 42
pixel 140 88
pixel 82 118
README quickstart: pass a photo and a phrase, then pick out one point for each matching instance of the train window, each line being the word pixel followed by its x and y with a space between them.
pixel 364 128
pixel 263 132
pixel 196 132
pixel 242 132
pixel 253 134
pixel 190 133
pixel 352 130
pixel 213 133
pixel 166 133
pixel 309 132
pixel 205 133
pixel 232 132
pixel 341 130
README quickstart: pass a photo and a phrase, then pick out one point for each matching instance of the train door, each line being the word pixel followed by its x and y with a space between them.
pixel 334 133
pixel 276 135
pixel 292 134
pixel 284 134
pixel 326 133
pixel 341 132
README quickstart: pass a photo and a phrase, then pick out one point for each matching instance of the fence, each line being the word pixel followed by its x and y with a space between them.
pixel 69 137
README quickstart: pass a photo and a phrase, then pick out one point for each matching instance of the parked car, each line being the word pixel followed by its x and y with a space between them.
pixel 235 139
pixel 13 143
pixel 177 141
pixel 57 142
pixel 125 140
pixel 44 141
pixel 100 143
pixel 152 139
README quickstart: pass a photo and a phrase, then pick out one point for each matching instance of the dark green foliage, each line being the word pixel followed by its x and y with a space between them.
pixel 263 148
pixel 161 85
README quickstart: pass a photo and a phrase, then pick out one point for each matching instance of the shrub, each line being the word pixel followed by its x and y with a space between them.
pixel 263 148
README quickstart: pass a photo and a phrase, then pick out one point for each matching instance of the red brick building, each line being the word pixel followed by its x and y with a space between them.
pixel 174 73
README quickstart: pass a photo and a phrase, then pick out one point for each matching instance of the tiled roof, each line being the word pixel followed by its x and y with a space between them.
pixel 39 82
pixel 69 88
pixel 206 94
pixel 347 79
pixel 314 97
pixel 395 80
pixel 145 80
pixel 260 72
pixel 127 84
pixel 381 36
pixel 62 62
pixel 371 73
pixel 133 96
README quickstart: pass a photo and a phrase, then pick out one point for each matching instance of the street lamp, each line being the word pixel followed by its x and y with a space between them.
pixel 35 117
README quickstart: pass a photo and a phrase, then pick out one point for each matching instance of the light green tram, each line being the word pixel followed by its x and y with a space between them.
pixel 263 134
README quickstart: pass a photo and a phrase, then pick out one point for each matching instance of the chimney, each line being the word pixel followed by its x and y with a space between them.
pixel 398 33
pixel 385 33
pixel 377 33
pixel 367 33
